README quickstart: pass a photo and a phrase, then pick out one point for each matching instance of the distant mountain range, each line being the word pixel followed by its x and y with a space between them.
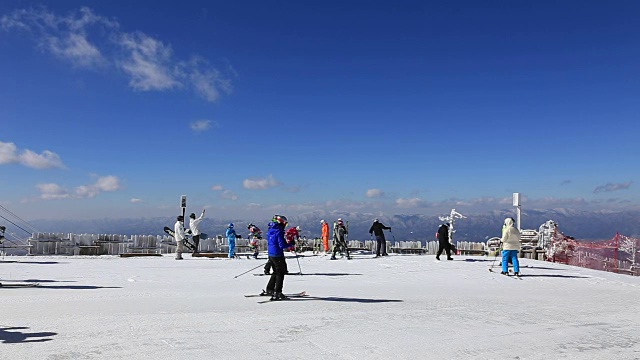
pixel 584 225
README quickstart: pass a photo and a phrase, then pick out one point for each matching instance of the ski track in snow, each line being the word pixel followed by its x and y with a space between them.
pixel 396 307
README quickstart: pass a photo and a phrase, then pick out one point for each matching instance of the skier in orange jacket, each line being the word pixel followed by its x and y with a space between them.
pixel 325 235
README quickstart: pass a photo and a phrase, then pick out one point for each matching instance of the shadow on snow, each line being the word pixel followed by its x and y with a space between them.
pixel 9 335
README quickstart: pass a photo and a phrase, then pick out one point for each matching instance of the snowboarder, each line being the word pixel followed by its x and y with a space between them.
pixel 179 235
pixel 277 244
pixel 381 243
pixel 255 235
pixel 194 226
pixel 443 241
pixel 339 240
pixel 325 235
pixel 231 237
pixel 510 247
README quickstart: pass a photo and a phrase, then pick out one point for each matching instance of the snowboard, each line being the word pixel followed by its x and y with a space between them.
pixel 187 244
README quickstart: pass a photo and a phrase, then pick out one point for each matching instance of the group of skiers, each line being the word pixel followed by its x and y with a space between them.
pixel 279 240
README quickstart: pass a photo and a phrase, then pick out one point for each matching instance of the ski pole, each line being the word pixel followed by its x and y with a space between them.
pixel 494 259
pixel 249 270
pixel 394 238
pixel 299 268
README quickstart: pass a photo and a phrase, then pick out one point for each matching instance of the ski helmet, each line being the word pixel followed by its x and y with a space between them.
pixel 193 216
pixel 298 228
pixel 375 220
pixel 280 219
pixel 180 218
pixel 340 221
pixel 322 221
pixel 231 225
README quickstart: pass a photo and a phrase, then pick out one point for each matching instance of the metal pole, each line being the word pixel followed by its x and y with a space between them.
pixel 249 270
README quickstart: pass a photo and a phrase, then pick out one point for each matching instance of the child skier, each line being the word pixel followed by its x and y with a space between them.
pixel 231 237
pixel 255 235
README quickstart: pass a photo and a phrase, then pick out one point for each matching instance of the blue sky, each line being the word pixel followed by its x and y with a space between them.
pixel 258 107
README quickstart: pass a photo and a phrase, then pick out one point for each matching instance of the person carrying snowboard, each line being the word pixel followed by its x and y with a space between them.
pixel 381 243
pixel 231 237
pixel 339 240
pixel 179 235
pixel 276 246
pixel 194 226
pixel 255 235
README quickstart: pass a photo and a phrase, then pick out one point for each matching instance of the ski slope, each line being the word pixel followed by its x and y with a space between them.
pixel 395 307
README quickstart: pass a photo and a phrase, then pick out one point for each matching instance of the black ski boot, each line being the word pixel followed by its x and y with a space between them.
pixel 504 273
pixel 278 297
pixel 267 293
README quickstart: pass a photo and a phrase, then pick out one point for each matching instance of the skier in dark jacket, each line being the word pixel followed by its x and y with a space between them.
pixel 443 241
pixel 381 243
pixel 276 245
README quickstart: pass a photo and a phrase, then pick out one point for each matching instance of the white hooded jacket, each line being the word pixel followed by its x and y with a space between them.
pixel 194 224
pixel 510 236
pixel 178 230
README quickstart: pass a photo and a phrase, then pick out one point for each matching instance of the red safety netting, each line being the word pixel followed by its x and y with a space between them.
pixel 617 255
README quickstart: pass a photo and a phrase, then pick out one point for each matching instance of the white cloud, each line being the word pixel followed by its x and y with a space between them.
pixel 51 191
pixel 217 187
pixel 148 63
pixel 374 193
pixel 200 125
pixel 88 40
pixel 228 194
pixel 410 203
pixel 10 154
pixel 136 200
pixel 66 37
pixel 260 183
pixel 206 81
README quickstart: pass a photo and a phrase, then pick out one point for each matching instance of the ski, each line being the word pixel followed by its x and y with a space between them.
pixel 290 296
pixel 5 285
pixel 303 293
pixel 295 273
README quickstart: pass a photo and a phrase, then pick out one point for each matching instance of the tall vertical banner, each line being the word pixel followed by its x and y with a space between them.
pixel 183 204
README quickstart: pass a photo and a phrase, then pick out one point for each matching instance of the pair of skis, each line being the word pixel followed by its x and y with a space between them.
pixel 18 285
pixel 293 295
pixel 295 273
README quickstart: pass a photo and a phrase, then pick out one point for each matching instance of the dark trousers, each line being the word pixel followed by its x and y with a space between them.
pixel 444 245
pixel 196 242
pixel 381 245
pixel 340 245
pixel 279 270
pixel 269 265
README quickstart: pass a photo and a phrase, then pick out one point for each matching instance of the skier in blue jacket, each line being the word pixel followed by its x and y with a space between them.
pixel 231 237
pixel 276 245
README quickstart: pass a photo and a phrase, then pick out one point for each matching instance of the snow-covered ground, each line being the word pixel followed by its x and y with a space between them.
pixel 396 307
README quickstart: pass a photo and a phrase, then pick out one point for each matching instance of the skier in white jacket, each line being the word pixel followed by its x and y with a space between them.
pixel 510 247
pixel 179 235
pixel 194 226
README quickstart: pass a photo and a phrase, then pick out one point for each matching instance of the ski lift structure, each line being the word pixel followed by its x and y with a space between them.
pixel 451 218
